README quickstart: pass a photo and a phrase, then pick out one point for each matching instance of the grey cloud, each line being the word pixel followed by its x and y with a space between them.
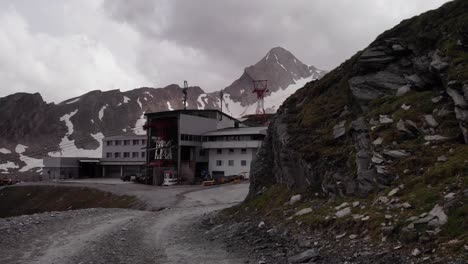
pixel 321 32
pixel 65 48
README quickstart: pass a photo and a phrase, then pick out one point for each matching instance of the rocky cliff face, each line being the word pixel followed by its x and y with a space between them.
pixel 396 111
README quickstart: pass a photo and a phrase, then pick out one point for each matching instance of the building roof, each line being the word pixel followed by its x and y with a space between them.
pixel 188 112
pixel 232 131
pixel 126 136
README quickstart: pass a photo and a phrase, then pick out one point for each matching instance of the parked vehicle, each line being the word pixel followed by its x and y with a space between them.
pixel 129 177
pixel 7 181
pixel 170 178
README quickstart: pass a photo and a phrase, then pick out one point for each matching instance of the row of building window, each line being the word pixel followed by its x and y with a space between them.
pixel 187 137
pixel 126 142
pixel 231 151
pixel 219 163
pixel 133 155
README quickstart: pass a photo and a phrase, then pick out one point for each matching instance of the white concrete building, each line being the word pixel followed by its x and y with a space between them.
pixel 231 150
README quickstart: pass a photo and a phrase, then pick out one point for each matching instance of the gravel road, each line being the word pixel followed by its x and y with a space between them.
pixel 122 235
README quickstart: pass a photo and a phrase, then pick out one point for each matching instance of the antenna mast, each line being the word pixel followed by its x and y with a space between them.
pixel 221 97
pixel 184 90
pixel 260 88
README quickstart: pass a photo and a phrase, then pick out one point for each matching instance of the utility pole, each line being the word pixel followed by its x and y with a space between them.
pixel 221 97
pixel 184 90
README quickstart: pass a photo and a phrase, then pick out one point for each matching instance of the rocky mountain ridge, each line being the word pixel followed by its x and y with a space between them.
pixel 32 128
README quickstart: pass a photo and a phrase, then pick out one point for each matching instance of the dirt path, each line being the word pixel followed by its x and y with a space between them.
pixel 120 235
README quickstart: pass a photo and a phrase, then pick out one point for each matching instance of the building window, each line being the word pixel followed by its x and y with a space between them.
pixel 143 142
pixel 109 143
pixel 243 163
pixel 135 142
pixel 231 163
pixel 231 151
pixel 126 154
pixel 117 142
pixel 116 154
pixel 134 154
pixel 219 151
pixel 126 142
pixel 202 153
pixel 108 155
pixel 219 163
pixel 244 151
pixel 143 154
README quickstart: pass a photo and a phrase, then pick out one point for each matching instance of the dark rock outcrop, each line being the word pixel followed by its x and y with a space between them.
pixel 333 133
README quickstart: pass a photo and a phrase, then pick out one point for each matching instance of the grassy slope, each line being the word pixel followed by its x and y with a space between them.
pixel 19 200
pixel 426 181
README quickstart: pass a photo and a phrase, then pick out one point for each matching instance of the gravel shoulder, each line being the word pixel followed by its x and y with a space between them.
pixel 170 235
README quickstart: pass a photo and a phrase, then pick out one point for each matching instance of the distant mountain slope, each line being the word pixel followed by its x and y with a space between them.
pixel 32 129
pixel 285 74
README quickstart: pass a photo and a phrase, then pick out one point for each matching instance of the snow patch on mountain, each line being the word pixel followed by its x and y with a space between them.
pixel 101 112
pixel 8 165
pixel 66 118
pixel 234 109
pixel 272 101
pixel 31 163
pixel 69 149
pixel 139 125
pixel 126 99
pixel 139 103
pixel 73 101
pixel 282 66
pixel 20 148
pixel 4 151
pixel 169 106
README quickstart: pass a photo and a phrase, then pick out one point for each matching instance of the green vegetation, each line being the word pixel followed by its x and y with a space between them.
pixel 420 103
pixel 457 224
pixel 19 200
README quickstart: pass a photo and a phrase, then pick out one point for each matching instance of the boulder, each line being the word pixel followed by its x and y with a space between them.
pixel 440 218
pixel 294 199
pixel 308 255
pixel 437 99
pixel 377 159
pixel 403 90
pixel 436 217
pixel 303 212
pixel 343 212
pixel 396 153
pixel 377 141
pixel 457 98
pixel 341 206
pixel 384 119
pixel 393 192
pixel 442 158
pixel 437 64
pixel 430 120
pixel 401 126
pixel 435 138
pixel 405 107
pixel 339 130
pixel 359 124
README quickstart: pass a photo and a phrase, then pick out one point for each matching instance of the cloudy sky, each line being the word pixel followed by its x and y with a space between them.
pixel 64 48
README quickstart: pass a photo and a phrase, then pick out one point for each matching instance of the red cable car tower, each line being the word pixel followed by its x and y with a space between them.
pixel 260 88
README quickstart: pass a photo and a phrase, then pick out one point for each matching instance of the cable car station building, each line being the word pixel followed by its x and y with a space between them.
pixel 185 145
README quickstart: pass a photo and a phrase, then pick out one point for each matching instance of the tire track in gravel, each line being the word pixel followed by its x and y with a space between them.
pixel 63 244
